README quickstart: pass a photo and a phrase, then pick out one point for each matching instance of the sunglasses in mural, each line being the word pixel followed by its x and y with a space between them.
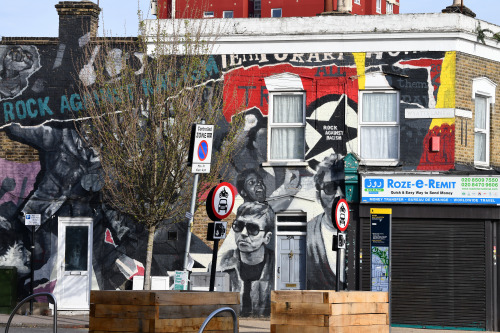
pixel 252 228
pixel 330 188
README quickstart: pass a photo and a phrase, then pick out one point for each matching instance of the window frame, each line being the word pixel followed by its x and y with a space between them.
pixel 208 15
pixel 486 131
pixel 357 2
pixel 396 123
pixel 227 12
pixel 389 8
pixel 485 88
pixel 275 9
pixel 271 125
pixel 378 6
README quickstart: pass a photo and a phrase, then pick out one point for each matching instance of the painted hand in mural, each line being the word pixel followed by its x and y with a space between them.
pixel 8 184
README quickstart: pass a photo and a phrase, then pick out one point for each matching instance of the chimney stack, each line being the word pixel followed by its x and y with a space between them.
pixel 344 7
pixel 458 7
pixel 77 18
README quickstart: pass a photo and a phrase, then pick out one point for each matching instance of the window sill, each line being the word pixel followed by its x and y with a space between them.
pixel 379 163
pixel 285 163
pixel 483 166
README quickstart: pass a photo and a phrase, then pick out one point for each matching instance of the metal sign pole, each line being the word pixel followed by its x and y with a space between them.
pixel 190 225
pixel 337 284
pixel 32 280
pixel 214 264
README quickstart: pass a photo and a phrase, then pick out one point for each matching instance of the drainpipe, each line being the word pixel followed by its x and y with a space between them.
pixel 328 6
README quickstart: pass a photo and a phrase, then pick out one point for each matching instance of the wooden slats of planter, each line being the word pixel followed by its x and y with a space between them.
pixel 160 311
pixel 311 311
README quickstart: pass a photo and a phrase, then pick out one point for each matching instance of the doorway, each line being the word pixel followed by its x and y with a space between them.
pixel 291 263
pixel 74 262
pixel 291 251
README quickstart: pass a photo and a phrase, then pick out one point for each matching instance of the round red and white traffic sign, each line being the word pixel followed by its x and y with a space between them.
pixel 221 201
pixel 342 215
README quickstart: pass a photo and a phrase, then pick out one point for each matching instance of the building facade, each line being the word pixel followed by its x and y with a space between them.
pixel 274 8
pixel 409 110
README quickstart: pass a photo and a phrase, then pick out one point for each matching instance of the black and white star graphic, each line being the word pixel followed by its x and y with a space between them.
pixel 331 127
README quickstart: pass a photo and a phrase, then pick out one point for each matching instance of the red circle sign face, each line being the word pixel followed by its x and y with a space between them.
pixel 203 150
pixel 223 200
pixel 342 215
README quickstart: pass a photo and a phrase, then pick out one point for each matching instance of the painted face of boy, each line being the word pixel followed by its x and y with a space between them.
pixel 254 188
pixel 250 234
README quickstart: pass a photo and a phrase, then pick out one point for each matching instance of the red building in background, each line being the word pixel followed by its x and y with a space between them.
pixel 269 8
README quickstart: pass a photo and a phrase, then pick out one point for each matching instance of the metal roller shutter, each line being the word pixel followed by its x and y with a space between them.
pixel 438 273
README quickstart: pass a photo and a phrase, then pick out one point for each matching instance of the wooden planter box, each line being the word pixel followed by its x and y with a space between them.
pixel 305 311
pixel 160 311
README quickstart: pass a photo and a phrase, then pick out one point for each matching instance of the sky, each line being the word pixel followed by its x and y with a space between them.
pixel 38 18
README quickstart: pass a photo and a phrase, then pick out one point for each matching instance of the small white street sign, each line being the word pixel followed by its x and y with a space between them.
pixel 33 219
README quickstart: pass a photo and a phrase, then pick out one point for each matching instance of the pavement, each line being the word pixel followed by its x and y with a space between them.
pixel 80 322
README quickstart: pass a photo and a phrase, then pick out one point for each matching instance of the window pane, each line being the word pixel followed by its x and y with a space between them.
pixel 481 111
pixel 287 143
pixel 480 147
pixel 75 256
pixel 276 12
pixel 380 108
pixel 379 142
pixel 288 109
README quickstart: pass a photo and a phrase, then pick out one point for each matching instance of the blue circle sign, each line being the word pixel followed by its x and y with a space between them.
pixel 203 150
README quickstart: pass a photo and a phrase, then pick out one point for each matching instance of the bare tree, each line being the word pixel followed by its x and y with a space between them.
pixel 139 106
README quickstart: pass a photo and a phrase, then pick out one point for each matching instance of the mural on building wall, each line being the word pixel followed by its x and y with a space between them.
pixel 66 181
pixel 36 109
pixel 331 82
pixel 17 180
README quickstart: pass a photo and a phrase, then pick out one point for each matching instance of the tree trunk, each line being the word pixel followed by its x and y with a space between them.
pixel 149 258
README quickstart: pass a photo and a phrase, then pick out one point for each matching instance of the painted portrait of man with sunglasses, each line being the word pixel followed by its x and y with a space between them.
pixel 321 259
pixel 251 264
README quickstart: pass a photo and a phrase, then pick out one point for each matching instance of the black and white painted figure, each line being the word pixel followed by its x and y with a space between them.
pixel 321 260
pixel 251 264
pixel 252 188
pixel 17 64
pixel 67 163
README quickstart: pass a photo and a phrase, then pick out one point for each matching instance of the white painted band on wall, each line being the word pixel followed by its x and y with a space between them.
pixel 429 113
pixel 463 113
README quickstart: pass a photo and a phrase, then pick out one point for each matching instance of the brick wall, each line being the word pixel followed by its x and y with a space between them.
pixel 16 151
pixel 468 68
pixel 200 225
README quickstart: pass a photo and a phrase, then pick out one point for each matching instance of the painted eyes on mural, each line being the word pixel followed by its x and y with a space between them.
pixel 330 188
pixel 253 182
pixel 252 228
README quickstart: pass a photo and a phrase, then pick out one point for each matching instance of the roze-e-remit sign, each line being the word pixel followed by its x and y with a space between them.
pixel 434 189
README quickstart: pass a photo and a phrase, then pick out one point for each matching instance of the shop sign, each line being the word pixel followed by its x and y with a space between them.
pixel 431 189
pixel 181 280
